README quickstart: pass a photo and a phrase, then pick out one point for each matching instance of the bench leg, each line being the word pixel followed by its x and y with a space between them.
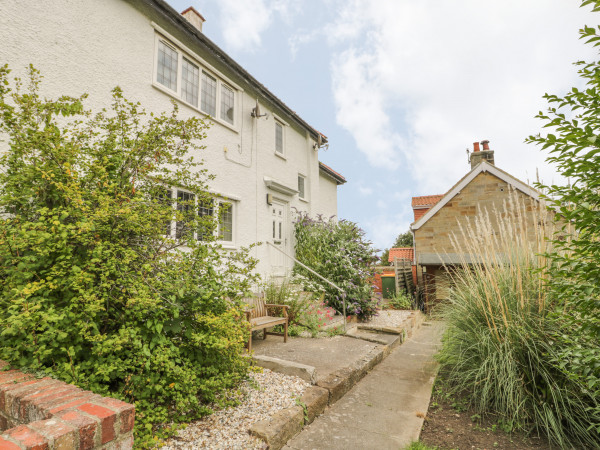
pixel 285 326
pixel 250 343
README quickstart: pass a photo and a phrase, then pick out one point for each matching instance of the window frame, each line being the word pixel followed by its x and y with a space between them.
pixel 222 82
pixel 281 124
pixel 304 195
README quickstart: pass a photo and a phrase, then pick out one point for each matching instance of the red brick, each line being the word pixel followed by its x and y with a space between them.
pixel 3 424
pixel 126 412
pixel 7 445
pixel 37 406
pixel 28 438
pixel 6 400
pixel 86 425
pixel 14 395
pixel 42 390
pixel 125 444
pixel 12 376
pixel 107 419
pixel 62 435
pixel 71 401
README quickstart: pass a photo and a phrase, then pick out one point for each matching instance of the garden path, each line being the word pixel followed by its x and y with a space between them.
pixel 386 409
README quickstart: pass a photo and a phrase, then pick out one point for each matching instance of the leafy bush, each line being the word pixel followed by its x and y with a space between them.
pixel 337 251
pixel 574 148
pixel 501 341
pixel 91 290
pixel 287 292
pixel 401 301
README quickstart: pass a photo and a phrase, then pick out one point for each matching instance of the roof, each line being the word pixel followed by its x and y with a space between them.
pixel 479 168
pixel 191 8
pixel 339 178
pixel 176 19
pixel 400 253
pixel 426 201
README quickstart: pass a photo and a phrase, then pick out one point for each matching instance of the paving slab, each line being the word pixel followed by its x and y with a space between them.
pixel 326 355
pixel 385 409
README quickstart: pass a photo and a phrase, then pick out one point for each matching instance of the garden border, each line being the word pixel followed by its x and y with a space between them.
pixel 44 414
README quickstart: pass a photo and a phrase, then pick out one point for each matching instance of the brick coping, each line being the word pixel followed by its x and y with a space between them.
pixel 44 413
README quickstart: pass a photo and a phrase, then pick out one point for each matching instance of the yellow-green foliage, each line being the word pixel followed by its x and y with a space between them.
pixel 91 290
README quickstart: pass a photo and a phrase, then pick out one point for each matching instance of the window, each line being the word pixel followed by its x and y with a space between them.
pixel 226 222
pixel 185 204
pixel 301 187
pixel 165 197
pixel 167 66
pixel 189 82
pixel 279 138
pixel 209 94
pixel 192 84
pixel 205 208
pixel 227 100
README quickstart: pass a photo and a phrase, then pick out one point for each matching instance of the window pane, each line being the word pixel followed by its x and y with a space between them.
pixel 209 95
pixel 227 104
pixel 300 186
pixel 164 197
pixel 205 209
pixel 167 66
pixel 185 204
pixel 226 222
pixel 189 82
pixel 278 137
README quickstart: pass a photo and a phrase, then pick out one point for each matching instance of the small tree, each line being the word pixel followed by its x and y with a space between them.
pixel 337 251
pixel 403 240
pixel 574 146
pixel 95 289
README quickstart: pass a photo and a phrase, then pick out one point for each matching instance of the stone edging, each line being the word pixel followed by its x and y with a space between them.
pixel 285 424
pixel 46 414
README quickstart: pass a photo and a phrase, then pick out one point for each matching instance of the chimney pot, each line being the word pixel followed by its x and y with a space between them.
pixel 486 145
pixel 475 146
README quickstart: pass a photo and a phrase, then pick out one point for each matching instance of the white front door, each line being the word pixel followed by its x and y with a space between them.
pixel 278 230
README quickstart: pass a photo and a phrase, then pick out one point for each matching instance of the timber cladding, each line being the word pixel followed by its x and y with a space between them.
pixel 46 414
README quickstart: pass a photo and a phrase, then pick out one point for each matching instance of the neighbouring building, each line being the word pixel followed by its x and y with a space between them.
pixel 265 157
pixel 438 217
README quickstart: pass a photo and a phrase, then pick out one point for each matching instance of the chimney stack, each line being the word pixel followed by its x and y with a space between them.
pixel 194 17
pixel 478 155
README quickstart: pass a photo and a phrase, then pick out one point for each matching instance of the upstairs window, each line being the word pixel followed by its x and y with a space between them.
pixel 187 80
pixel 209 95
pixel 301 187
pixel 279 138
pixel 167 66
pixel 226 222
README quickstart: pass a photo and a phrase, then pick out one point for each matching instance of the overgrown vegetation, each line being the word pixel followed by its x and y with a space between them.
pixel 401 300
pixel 92 291
pixel 338 251
pixel 574 147
pixel 501 345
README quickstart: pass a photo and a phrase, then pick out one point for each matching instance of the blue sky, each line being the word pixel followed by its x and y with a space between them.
pixel 403 87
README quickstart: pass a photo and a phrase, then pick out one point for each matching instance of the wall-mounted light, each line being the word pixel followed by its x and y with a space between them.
pixel 320 144
pixel 269 199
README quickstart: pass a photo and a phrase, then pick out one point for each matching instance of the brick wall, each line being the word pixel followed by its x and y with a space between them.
pixel 44 414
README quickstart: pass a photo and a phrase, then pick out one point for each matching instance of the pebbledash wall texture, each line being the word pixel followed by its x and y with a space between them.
pixel 47 414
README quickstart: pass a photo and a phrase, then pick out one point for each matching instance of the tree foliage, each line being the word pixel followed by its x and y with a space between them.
pixel 574 147
pixel 403 240
pixel 92 290
pixel 338 251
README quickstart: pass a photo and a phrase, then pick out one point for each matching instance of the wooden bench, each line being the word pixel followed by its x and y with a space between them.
pixel 259 318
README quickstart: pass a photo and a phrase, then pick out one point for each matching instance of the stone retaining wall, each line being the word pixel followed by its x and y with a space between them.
pixel 44 414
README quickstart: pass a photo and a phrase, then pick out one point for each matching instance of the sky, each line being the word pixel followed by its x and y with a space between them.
pixel 402 88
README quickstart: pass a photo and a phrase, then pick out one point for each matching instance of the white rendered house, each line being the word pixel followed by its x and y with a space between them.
pixel 265 166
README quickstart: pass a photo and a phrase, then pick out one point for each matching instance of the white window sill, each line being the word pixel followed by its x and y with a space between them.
pixel 228 245
pixel 303 200
pixel 173 95
pixel 281 155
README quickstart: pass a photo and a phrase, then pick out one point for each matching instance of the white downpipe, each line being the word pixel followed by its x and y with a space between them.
pixel 321 277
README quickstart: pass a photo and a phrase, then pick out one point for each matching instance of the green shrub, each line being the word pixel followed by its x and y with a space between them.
pixel 401 301
pixel 287 292
pixel 91 290
pixel 501 342
pixel 337 251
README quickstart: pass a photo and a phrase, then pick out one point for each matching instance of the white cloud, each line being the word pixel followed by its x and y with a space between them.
pixel 416 83
pixel 244 22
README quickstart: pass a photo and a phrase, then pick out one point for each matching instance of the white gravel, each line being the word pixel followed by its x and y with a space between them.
pixel 228 428
pixel 389 318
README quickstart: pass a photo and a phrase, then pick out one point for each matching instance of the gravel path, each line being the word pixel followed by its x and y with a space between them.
pixel 228 428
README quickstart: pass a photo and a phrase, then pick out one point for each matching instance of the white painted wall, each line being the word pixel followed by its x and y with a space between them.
pixel 327 205
pixel 90 46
